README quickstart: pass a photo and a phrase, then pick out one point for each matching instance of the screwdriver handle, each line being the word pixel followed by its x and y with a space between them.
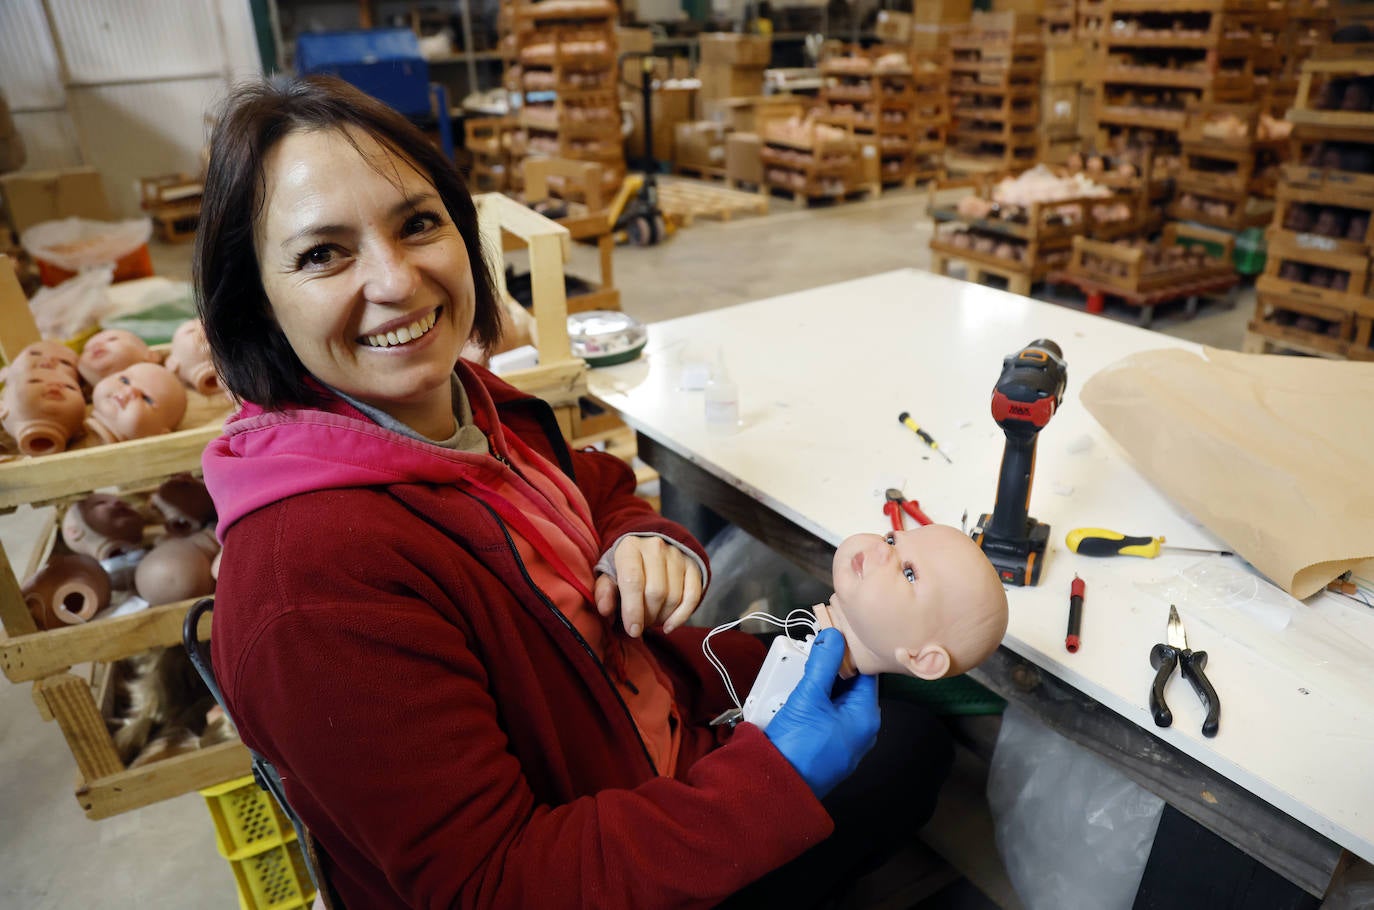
pixel 1163 658
pixel 1194 662
pixel 1102 542
pixel 905 418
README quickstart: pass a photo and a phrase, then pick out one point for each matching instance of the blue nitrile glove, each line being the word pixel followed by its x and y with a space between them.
pixel 821 738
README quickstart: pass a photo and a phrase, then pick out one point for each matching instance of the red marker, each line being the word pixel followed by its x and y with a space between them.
pixel 1075 613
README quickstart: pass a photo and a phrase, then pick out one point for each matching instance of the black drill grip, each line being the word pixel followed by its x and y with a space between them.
pixel 1163 658
pixel 1102 546
pixel 1012 508
pixel 1194 662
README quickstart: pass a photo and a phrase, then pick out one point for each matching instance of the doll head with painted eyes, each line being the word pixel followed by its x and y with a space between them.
pixel 144 399
pixel 110 351
pixel 42 408
pixel 41 355
pixel 923 603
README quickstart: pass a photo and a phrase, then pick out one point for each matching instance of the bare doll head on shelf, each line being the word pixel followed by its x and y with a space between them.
pixel 923 603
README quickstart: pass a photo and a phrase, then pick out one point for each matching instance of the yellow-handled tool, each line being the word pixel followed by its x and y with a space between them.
pixel 1103 542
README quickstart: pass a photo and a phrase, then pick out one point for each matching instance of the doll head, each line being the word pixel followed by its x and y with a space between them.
pixel 69 590
pixel 190 358
pixel 141 400
pixel 924 603
pixel 43 409
pixel 110 351
pixel 102 525
pixel 184 504
pixel 176 569
pixel 45 355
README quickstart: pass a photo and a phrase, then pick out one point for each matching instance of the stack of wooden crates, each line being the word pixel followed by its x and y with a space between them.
pixel 995 77
pixel 1314 296
pixel 567 74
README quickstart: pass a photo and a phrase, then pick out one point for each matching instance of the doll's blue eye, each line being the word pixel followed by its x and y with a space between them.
pixel 909 573
pixel 890 540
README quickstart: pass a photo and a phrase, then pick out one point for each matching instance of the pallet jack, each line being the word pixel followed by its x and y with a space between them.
pixel 641 221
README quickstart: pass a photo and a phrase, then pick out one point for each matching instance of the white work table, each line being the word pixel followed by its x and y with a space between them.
pixel 822 376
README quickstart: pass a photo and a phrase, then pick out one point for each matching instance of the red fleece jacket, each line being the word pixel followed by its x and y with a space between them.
pixel 442 730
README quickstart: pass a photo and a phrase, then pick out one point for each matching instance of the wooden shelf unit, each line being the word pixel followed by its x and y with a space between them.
pixel 565 56
pixel 811 168
pixel 995 92
pixel 1158 58
pixel 902 108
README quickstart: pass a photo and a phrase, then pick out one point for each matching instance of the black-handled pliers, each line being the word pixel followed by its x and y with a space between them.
pixel 1164 658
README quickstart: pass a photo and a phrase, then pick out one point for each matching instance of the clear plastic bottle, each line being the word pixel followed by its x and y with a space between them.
pixel 722 400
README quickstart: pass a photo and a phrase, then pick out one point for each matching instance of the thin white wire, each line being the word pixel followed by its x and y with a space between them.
pixel 793 620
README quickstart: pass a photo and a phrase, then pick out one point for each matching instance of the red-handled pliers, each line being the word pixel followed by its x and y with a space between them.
pixel 897 504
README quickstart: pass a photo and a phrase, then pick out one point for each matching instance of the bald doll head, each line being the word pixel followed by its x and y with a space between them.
pixel 141 400
pixel 924 603
pixel 102 525
pixel 109 351
pixel 41 355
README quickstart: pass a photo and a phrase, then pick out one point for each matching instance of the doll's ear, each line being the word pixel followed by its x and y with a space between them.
pixel 932 662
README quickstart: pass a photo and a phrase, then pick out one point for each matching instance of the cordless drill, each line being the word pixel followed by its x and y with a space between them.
pixel 1026 396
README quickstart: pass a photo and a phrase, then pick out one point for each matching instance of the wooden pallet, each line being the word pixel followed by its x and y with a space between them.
pixel 686 200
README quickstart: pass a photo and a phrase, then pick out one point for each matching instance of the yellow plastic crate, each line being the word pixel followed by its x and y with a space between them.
pixel 275 879
pixel 246 818
pixel 260 844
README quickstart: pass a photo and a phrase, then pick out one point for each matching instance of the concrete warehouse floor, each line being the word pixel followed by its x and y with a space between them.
pixel 164 856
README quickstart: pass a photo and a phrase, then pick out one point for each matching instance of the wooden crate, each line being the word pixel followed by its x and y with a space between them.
pixel 105 787
pixel 1090 255
pixel 1318 73
pixel 1245 212
pixel 1351 205
pixel 1352 300
pixel 1274 330
pixel 1305 144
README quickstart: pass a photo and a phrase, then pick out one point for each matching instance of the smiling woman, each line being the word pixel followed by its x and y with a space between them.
pixel 460 642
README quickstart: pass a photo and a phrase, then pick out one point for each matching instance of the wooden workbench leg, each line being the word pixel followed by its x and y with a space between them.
pixel 1019 284
pixel 1254 343
pixel 70 702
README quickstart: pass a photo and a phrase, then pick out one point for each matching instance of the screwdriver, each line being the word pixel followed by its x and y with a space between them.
pixel 1102 542
pixel 905 418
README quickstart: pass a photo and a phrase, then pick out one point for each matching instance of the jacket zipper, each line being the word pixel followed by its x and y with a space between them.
pixel 567 624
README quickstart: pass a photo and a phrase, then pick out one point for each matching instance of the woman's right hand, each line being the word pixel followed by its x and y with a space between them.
pixel 824 738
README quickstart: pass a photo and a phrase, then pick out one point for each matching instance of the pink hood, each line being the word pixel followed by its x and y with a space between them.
pixel 267 456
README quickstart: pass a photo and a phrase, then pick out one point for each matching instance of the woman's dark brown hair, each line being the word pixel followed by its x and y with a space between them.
pixel 250 352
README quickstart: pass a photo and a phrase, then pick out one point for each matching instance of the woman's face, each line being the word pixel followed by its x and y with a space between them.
pixel 366 273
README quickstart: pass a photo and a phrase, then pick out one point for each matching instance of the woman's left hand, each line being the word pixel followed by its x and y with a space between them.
pixel 657 584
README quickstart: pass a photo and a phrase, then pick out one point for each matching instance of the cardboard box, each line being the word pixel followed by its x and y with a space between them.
pixel 722 80
pixel 700 145
pixel 737 50
pixel 743 159
pixel 1059 110
pixel 635 40
pixel 942 12
pixel 670 106
pixel 928 37
pixel 893 27
pixel 1065 63
pixel 32 197
pixel 746 114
